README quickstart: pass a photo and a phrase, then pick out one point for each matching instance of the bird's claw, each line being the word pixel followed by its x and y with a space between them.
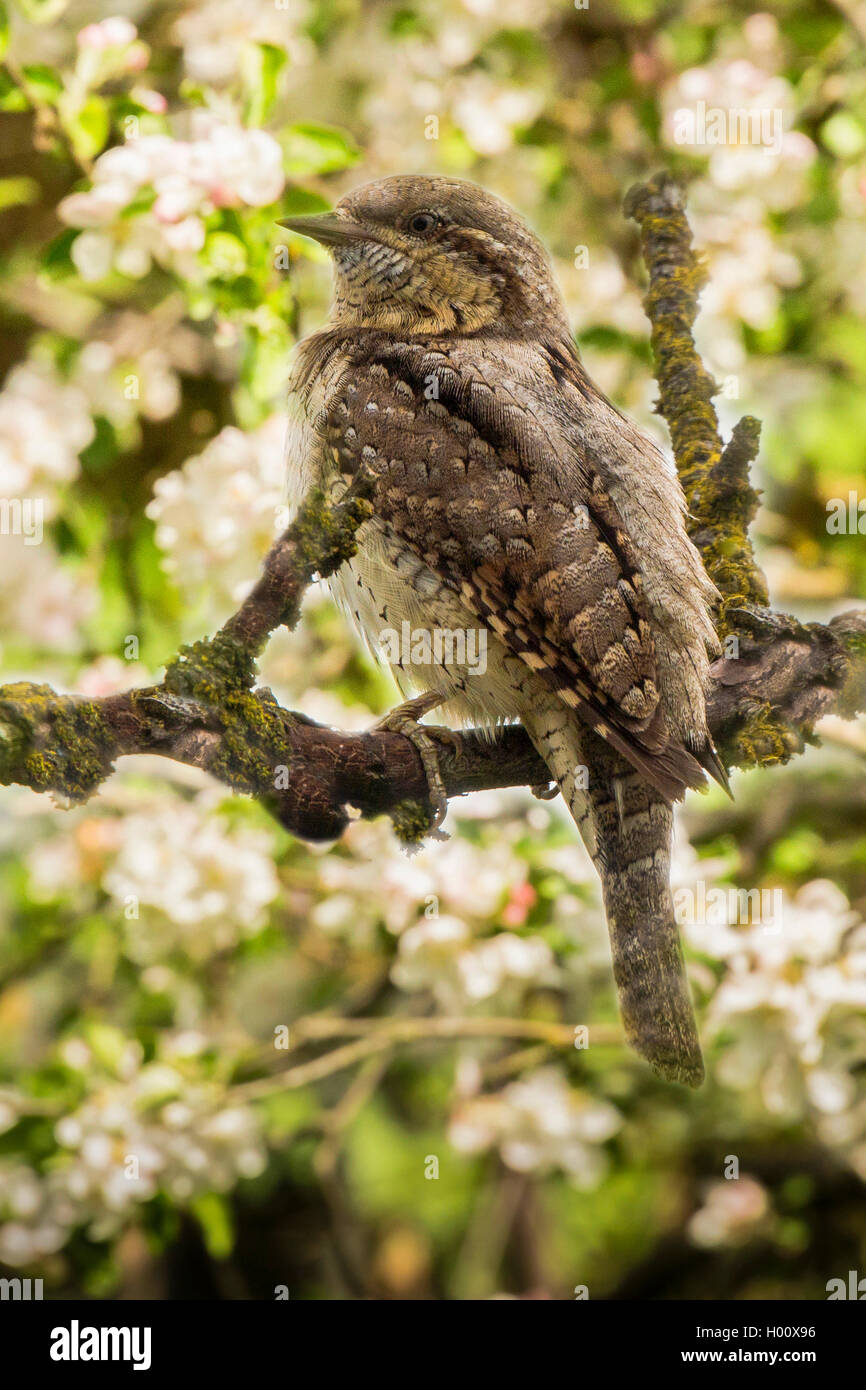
pixel 405 719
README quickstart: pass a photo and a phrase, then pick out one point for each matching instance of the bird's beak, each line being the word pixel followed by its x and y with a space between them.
pixel 329 228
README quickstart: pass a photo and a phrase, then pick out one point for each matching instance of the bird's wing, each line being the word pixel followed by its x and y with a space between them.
pixel 467 475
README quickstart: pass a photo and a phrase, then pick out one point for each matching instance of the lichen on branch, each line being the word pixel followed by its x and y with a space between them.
pixel 715 480
pixel 52 742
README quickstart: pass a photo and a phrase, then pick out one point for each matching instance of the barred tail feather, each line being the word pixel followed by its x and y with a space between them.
pixel 627 827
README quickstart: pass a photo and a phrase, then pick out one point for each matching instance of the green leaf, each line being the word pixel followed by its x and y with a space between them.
pixel 193 93
pixel 100 453
pixel 285 1112
pixel 843 135
pixel 300 202
pixel 213 1214
pixel 12 98
pixel 42 11
pixel 141 203
pixel 18 191
pixel 406 23
pixel 199 303
pixel 224 256
pixel 261 66
pixel 88 128
pixel 4 30
pixel 843 339
pixel 318 149
pixel 42 83
pixel 57 261
pixel 161 1222
pixel 108 1044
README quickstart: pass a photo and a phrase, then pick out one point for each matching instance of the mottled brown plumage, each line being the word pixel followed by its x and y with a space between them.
pixel 509 493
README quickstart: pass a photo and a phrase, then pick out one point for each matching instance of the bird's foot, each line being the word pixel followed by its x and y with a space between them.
pixel 405 720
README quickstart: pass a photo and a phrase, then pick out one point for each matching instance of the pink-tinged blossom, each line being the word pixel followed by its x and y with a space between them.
pixel 114 32
pixel 221 165
pixel 152 101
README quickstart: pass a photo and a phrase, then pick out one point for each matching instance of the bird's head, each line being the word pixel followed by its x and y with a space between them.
pixel 435 255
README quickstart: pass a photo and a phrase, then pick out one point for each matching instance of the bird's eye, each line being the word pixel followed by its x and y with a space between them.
pixel 421 222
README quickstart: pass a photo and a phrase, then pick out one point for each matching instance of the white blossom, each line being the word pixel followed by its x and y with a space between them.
pixel 733 1211
pixel 217 515
pixel 222 165
pixel 490 113
pixel 45 422
pixel 792 1002
pixel 538 1124
pixel 439 954
pixel 42 602
pixel 122 388
pixel 199 884
pixel 152 1131
pixel 213 35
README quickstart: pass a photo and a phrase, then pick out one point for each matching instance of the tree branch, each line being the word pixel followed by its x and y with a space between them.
pixel 778 675
pixel 374 1036
pixel 715 478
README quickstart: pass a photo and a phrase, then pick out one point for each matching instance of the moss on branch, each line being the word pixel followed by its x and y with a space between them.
pixel 52 742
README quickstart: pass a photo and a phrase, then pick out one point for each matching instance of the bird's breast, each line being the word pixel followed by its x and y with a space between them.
pixel 413 621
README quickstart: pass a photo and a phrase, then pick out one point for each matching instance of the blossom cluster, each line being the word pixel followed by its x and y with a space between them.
pixel 791 1002
pixel 45 422
pixel 221 165
pixel 218 514
pixel 145 1131
pixel 178 877
pixel 757 166
pixel 540 1123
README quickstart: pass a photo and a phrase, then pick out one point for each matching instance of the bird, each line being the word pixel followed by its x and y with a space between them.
pixel 509 496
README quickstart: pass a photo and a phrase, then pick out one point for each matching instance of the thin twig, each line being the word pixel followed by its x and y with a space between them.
pixel 374 1035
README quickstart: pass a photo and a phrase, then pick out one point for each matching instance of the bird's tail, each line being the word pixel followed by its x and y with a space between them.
pixel 627 827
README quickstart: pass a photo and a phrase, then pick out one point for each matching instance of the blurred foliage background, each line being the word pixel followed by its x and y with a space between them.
pixel 163 947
